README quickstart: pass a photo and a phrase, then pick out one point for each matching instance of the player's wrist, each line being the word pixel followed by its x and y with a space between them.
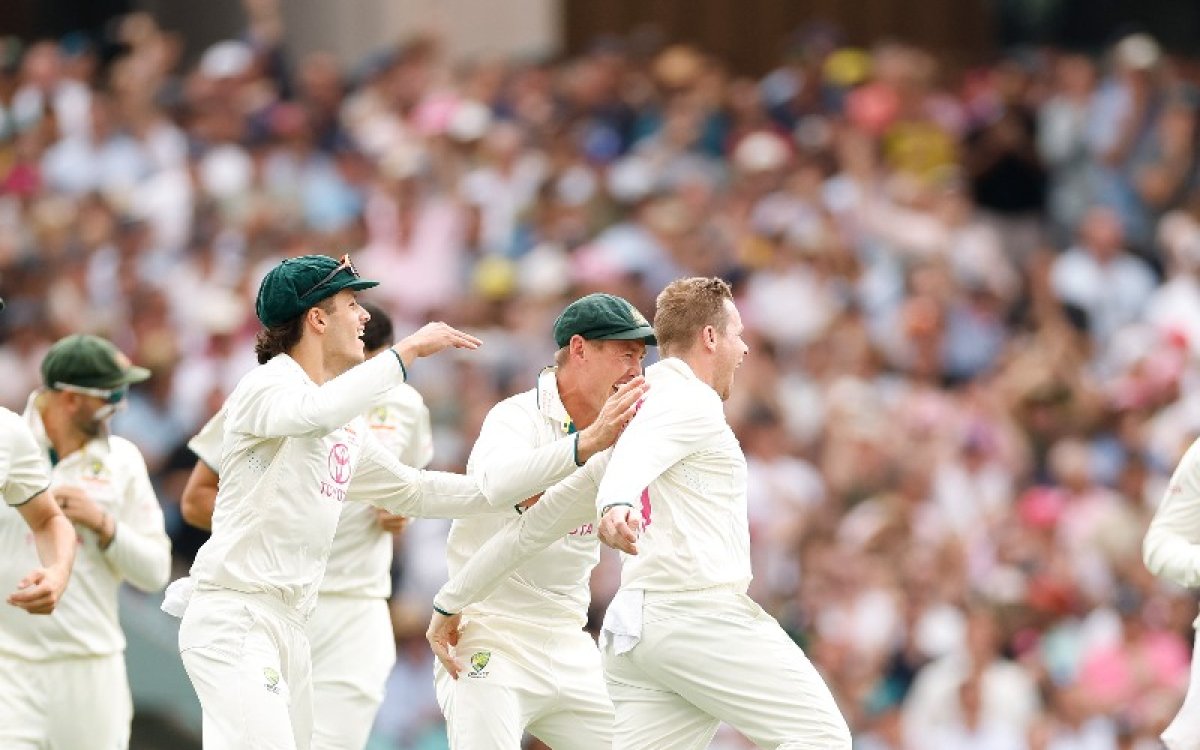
pixel 443 612
pixel 400 359
pixel 605 509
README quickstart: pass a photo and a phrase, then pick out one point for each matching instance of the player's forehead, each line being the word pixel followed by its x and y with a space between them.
pixel 618 346
pixel 734 317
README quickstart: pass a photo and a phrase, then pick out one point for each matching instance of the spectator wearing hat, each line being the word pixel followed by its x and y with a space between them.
pixel 64 676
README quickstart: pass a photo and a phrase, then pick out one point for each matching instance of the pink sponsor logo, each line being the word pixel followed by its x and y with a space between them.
pixel 339 463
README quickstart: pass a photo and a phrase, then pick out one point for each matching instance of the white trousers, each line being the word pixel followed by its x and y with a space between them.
pixel 710 656
pixel 248 659
pixel 353 650
pixel 520 677
pixel 1183 733
pixel 65 704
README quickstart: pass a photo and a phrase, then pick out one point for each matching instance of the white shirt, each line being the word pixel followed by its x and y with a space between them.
pixel 23 474
pixel 360 557
pixel 680 465
pixel 292 452
pixel 1171 549
pixel 527 441
pixel 113 474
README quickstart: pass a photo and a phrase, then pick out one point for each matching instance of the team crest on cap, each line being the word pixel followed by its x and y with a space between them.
pixel 637 316
pixel 479 661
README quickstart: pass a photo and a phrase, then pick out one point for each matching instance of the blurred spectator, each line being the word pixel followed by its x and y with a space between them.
pixel 967 382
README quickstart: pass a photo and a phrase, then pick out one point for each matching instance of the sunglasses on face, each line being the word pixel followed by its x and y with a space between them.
pixel 112 397
pixel 343 265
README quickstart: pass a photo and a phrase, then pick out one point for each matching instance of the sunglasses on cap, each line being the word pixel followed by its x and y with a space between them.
pixel 111 397
pixel 343 265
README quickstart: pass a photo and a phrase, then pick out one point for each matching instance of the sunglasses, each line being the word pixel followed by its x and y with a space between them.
pixel 343 265
pixel 111 397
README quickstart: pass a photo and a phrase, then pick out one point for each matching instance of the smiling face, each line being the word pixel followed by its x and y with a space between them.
pixel 609 364
pixel 730 351
pixel 344 320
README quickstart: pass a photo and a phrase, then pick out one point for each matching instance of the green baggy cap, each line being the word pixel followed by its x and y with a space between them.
pixel 297 284
pixel 89 361
pixel 602 316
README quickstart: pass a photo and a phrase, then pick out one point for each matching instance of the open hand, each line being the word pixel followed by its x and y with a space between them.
pixel 432 338
pixel 443 634
pixel 614 416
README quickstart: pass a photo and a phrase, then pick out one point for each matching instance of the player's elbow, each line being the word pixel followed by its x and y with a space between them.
pixel 196 505
pixel 1152 558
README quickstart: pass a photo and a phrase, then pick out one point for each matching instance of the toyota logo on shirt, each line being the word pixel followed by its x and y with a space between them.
pixel 339 463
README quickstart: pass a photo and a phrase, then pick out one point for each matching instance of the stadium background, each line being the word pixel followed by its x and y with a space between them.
pixel 964 236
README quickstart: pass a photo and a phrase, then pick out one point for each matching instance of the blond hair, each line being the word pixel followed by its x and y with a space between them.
pixel 685 307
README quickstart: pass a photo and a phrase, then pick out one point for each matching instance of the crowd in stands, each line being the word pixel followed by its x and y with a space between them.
pixel 971 300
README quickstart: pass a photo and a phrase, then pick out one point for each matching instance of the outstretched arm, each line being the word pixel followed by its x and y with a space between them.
pixel 272 409
pixel 381 480
pixel 509 465
pixel 563 507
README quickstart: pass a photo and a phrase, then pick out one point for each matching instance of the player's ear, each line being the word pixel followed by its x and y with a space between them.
pixel 315 317
pixel 576 345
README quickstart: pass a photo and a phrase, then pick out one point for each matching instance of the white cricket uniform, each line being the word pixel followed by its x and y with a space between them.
pixel 684 647
pixel 62 676
pixel 292 452
pixel 1171 550
pixel 531 666
pixel 350 631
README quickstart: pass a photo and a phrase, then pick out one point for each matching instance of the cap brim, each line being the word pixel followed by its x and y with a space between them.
pixel 643 333
pixel 134 374
pixel 359 284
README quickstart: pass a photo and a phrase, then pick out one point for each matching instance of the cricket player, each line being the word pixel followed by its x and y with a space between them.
pixel 295 447
pixel 25 485
pixel 684 648
pixel 532 666
pixel 1170 551
pixel 350 631
pixel 62 681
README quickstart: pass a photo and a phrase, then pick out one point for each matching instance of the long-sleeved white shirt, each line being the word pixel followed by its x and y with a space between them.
pixel 23 473
pixel 680 465
pixel 292 452
pixel 1171 549
pixel 705 473
pixel 85 623
pixel 360 556
pixel 526 443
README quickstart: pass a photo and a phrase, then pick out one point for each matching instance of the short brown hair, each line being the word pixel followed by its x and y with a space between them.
pixel 279 339
pixel 685 307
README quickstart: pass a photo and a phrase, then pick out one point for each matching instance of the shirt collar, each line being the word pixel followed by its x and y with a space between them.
pixel 98 445
pixel 550 403
pixel 286 363
pixel 673 365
